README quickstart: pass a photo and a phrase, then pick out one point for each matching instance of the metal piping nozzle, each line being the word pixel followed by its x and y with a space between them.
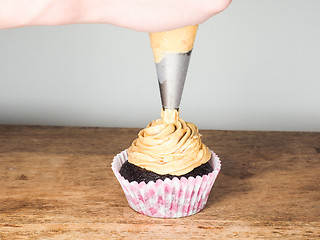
pixel 172 71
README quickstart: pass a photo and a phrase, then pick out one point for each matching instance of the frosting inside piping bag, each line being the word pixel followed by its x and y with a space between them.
pixel 180 40
pixel 169 146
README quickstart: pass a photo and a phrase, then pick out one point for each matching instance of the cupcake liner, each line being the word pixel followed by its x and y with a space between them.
pixel 169 198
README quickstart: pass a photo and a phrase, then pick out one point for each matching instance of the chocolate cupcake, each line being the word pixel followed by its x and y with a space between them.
pixel 167 172
pixel 132 173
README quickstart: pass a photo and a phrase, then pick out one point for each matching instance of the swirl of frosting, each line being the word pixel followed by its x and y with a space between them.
pixel 169 146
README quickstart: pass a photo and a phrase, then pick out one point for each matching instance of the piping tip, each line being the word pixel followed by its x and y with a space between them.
pixel 172 71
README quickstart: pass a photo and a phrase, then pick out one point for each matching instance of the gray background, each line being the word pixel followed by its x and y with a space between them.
pixel 255 67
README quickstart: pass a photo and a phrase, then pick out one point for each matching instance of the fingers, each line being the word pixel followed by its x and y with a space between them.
pixel 139 15
pixel 161 15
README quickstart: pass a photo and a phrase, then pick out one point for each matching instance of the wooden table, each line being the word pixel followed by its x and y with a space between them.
pixel 56 183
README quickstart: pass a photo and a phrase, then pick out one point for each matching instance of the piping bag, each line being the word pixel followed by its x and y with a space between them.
pixel 172 51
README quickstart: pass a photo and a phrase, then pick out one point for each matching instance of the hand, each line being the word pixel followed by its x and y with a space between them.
pixel 163 15
pixel 139 15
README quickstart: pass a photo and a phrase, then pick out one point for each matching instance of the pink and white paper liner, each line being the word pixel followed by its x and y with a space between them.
pixel 169 198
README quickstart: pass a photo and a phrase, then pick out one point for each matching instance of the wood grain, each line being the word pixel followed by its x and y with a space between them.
pixel 56 183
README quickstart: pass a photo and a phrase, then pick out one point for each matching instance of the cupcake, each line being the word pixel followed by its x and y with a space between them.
pixel 167 172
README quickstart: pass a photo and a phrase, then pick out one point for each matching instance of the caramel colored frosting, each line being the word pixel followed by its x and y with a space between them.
pixel 176 41
pixel 169 146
